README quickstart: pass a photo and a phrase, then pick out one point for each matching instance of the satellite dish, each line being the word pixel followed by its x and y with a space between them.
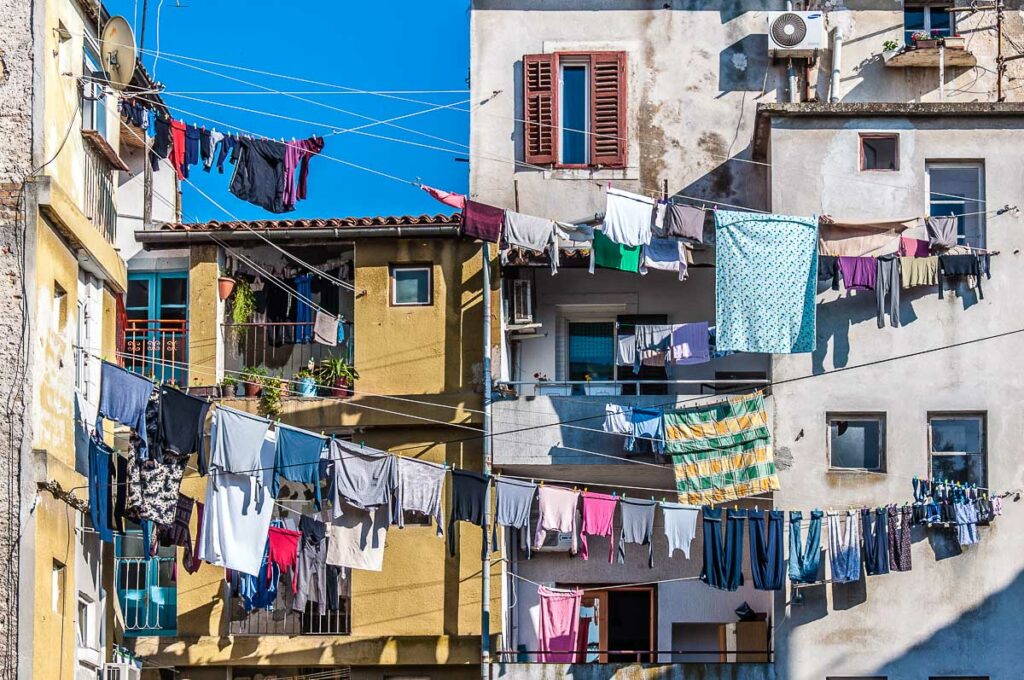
pixel 117 49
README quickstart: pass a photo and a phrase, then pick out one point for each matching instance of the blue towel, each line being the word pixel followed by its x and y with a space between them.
pixel 765 282
pixel 298 459
pixel 99 489
pixel 123 397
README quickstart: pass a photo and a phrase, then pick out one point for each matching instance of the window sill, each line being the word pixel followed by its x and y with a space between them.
pixel 598 174
pixel 860 472
pixel 102 146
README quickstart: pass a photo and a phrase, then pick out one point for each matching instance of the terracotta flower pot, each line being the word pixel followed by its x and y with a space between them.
pixel 252 389
pixel 225 286
pixel 340 388
pixel 925 44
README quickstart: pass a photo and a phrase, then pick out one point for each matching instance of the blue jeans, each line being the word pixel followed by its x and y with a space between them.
pixel 723 557
pixel 804 560
pixel 767 554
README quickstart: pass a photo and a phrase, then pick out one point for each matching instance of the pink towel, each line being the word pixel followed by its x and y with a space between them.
pixel 557 513
pixel 912 247
pixel 598 515
pixel 690 343
pixel 447 197
pixel 559 625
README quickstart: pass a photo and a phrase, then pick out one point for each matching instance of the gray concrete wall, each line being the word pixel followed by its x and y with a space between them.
pixel 17 56
pixel 947 616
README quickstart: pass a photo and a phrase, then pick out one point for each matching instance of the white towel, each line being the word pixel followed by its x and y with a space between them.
pixel 616 420
pixel 627 218
pixel 533 233
pixel 325 329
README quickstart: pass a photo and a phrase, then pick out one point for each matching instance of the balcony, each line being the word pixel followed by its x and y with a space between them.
pixel 100 205
pixel 279 349
pixel 929 57
pixel 146 587
pixel 285 621
pixel 157 349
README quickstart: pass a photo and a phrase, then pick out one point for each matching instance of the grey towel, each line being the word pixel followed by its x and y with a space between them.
pixel 514 501
pixel 363 477
pixel 238 445
pixel 637 527
pixel 652 342
pixel 325 329
pixel 941 231
pixel 419 489
pixel 684 221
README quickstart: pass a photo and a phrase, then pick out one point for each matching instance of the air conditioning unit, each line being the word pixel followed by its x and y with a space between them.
pixel 556 541
pixel 121 671
pixel 796 34
pixel 522 301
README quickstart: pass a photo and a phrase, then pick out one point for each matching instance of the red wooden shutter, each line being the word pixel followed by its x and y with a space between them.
pixel 608 109
pixel 540 108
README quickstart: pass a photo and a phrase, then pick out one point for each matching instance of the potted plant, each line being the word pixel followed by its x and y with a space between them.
pixel 252 378
pixel 272 390
pixel 243 306
pixel 306 379
pixel 225 286
pixel 337 377
pixel 923 39
pixel 228 387
pixel 955 42
pixel 890 46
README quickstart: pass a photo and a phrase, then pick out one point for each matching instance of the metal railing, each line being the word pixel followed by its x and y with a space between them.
pixel 148 607
pixel 281 348
pixel 158 349
pixel 609 388
pixel 729 656
pixel 100 204
pixel 285 621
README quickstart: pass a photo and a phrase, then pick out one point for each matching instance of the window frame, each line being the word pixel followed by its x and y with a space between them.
pixel 982 417
pixel 864 136
pixel 873 416
pixel 978 202
pixel 94 95
pixel 927 9
pixel 393 283
pixel 573 60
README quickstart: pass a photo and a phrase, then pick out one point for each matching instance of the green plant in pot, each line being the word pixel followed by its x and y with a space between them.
pixel 273 389
pixel 306 379
pixel 228 386
pixel 253 378
pixel 337 377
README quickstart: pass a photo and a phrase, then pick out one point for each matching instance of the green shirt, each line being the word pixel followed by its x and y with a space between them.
pixel 611 255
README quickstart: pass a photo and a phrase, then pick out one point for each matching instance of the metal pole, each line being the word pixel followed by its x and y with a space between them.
pixel 485 567
pixel 1000 66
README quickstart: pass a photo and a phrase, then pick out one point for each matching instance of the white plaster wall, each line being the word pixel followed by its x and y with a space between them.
pixel 947 616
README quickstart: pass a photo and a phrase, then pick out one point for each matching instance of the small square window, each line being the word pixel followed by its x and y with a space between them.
pixel 411 285
pixel 856 441
pixel 957 447
pixel 879 152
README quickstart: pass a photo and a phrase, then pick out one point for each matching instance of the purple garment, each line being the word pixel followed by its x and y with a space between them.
pixel 482 221
pixel 296 157
pixel 859 273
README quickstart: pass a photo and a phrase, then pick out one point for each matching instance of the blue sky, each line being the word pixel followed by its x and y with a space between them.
pixel 399 45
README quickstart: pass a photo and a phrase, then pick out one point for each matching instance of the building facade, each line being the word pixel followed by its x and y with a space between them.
pixel 699 104
pixel 411 313
pixel 61 214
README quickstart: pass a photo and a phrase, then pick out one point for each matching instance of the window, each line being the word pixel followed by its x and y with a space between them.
pixel 957 677
pixel 621 624
pixel 856 441
pixel 591 351
pixel 94 107
pixel 957 445
pixel 959 189
pixel 58 583
pixel 411 285
pixel 932 19
pixel 574 109
pixel 879 152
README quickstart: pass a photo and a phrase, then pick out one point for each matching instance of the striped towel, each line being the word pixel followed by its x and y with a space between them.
pixel 721 452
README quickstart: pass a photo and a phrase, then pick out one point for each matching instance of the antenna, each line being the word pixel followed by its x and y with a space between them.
pixel 117 50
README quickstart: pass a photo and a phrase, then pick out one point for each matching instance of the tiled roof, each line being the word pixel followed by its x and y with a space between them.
pixel 319 223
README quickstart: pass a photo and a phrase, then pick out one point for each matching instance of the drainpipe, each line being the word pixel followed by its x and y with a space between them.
pixel 837 54
pixel 485 599
pixel 790 71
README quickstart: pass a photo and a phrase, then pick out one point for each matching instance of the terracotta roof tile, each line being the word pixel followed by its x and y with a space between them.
pixel 318 223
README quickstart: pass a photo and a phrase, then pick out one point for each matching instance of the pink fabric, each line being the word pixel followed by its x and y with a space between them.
pixel 559 625
pixel 447 197
pixel 912 247
pixel 557 513
pixel 598 517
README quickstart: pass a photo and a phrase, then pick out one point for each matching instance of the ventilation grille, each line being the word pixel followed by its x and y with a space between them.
pixel 789 30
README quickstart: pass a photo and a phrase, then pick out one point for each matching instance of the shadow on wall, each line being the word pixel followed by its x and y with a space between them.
pixel 732 180
pixel 744 64
pixel 953 649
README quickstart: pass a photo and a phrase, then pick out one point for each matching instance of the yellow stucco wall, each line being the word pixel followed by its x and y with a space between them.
pixel 424 607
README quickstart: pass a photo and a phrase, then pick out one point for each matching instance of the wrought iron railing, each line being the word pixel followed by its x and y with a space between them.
pixel 285 621
pixel 145 589
pixel 158 349
pixel 100 204
pixel 281 348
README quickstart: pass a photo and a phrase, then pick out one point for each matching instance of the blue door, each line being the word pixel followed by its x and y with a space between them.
pixel 156 336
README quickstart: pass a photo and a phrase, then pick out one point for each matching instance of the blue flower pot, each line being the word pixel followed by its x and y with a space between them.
pixel 307 387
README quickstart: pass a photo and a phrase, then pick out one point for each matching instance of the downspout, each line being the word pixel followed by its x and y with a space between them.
pixel 837 63
pixel 794 97
pixel 485 566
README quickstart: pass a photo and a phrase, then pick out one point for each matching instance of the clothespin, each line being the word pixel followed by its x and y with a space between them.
pixel 652 498
pixel 586 489
pixel 542 482
pixel 362 444
pixel 574 488
pixel 615 494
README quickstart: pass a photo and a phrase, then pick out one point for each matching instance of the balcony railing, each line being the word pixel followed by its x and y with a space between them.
pixel 725 656
pixel 100 205
pixel 281 348
pixel 158 349
pixel 145 588
pixel 610 388
pixel 284 621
